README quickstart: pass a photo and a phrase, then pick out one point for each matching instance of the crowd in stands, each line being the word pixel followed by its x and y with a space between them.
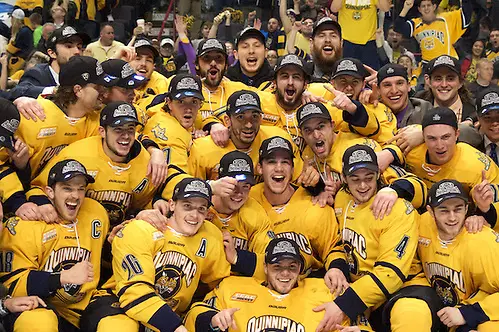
pixel 264 165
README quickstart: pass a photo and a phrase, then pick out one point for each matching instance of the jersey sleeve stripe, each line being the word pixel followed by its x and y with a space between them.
pixel 124 289
pixel 394 268
pixel 8 171
pixel 379 284
pixel 138 301
pixel 11 275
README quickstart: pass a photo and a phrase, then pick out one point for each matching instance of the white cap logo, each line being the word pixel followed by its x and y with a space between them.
pixel 360 156
pixel 390 70
pixel 246 99
pixel 239 165
pixel 127 70
pixel 124 110
pixel 436 117
pixel 443 60
pixel 346 65
pixel 68 31
pixel 291 59
pixel 187 83
pixel 447 188
pixel 277 142
pixel 73 166
pixel 142 42
pixel 197 186
pixel 11 125
pixel 98 69
pixel 310 109
pixel 212 43
pixel 490 98
pixel 85 76
pixel 284 247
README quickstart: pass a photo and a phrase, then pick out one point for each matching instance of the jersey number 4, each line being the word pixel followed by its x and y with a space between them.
pixel 400 248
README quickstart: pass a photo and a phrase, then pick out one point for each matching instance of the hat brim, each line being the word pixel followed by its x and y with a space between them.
pixel 348 73
pixel 447 197
pixel 212 49
pixel 328 25
pixel 243 177
pixel 72 175
pixel 7 140
pixel 307 75
pixel 488 109
pixel 278 258
pixel 314 116
pixel 443 65
pixel 124 120
pixel 243 109
pixel 132 82
pixel 355 168
pixel 275 150
pixel 184 94
pixel 193 195
pixel 152 48
pixel 251 34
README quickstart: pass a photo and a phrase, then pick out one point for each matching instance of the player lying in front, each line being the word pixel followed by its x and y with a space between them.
pixel 281 303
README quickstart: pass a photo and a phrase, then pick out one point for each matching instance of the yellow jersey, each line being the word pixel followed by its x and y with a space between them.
pixel 157 84
pixel 359 20
pixel 33 252
pixel 11 189
pixel 45 139
pixel 455 277
pixel 153 269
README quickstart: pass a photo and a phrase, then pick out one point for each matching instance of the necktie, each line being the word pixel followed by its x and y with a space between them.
pixel 493 152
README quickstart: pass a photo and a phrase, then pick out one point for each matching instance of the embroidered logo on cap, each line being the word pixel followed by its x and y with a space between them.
pixel 284 247
pixel 490 98
pixel 212 43
pixel 360 156
pixel 73 166
pixel 246 99
pixel 436 117
pixel 346 65
pixel 310 109
pixel 446 188
pixel 11 125
pixel 390 70
pixel 291 59
pixel 98 69
pixel 127 70
pixel 187 83
pixel 197 186
pixel 85 76
pixel 68 31
pixel 277 142
pixel 124 110
pixel 239 165
pixel 443 60
pixel 142 42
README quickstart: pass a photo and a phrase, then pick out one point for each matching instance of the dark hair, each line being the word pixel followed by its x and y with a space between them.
pixel 105 24
pixel 64 96
pixel 380 184
pixel 36 18
pixel 463 93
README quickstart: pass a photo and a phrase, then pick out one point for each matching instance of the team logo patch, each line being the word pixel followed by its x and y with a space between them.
pixel 239 165
pixel 68 31
pixel 11 225
pixel 73 166
pixel 157 236
pixel 445 290
pixel 159 132
pixel 425 242
pixel 11 125
pixel 187 83
pixel 46 132
pixel 490 98
pixel 242 297
pixel 277 142
pixel 291 59
pixel 127 70
pixel 310 109
pixel 443 60
pixel 168 283
pixel 436 117
pixel 408 207
pixel 246 99
pixel 124 110
pixel 85 76
pixel 359 156
pixel 484 159
pixel 390 71
pixel 212 43
pixel 197 186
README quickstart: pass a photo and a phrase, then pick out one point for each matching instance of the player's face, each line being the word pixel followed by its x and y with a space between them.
pixel 394 93
pixel 327 47
pixel 427 10
pixel 290 83
pixel 445 85
pixel 89 97
pixel 185 110
pixel 282 276
pixel 494 38
pixel 118 140
pixel 71 47
pixel 318 134
pixel 489 125
pixel 144 62
pixel 212 66
pixel 449 217
pixel 440 140
pixel 244 127
pixel 350 85
pixel 277 172
pixel 68 197
pixel 251 55
pixel 362 184
pixel 188 215
pixel 239 196
pixel 117 93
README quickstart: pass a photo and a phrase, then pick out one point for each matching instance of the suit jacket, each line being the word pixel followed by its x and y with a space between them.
pixel 34 81
pixel 415 111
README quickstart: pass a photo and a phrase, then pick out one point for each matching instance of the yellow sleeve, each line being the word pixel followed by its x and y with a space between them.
pixel 407 185
pixel 134 273
pixel 397 246
pixel 175 175
pixel 327 237
pixel 11 189
pixel 194 162
pixel 218 268
pixel 258 236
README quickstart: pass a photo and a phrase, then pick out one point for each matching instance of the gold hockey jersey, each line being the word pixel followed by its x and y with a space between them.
pixel 261 309
pixel 460 268
pixel 118 187
pixel 204 160
pixel 45 139
pixel 11 189
pixel 152 268
pixel 33 250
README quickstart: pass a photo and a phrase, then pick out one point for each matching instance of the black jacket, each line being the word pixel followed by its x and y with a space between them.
pixel 265 75
pixel 34 81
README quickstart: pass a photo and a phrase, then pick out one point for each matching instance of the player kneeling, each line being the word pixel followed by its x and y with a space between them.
pixel 459 265
pixel 282 303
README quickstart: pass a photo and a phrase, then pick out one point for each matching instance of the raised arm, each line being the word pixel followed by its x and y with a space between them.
pixel 336 5
pixel 405 27
pixel 286 22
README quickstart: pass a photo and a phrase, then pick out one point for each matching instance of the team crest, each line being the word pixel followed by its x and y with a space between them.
pixel 389 115
pixel 168 282
pixel 11 225
pixel 483 158
pixel 353 264
pixel 408 207
pixel 159 132
pixel 445 290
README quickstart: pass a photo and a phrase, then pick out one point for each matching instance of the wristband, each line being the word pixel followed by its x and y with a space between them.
pixel 388 190
pixel 214 329
pixel 3 309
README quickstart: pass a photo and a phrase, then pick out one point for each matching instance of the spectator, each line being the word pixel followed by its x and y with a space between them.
pixel 204 33
pixel 47 29
pixel 309 10
pixel 394 41
pixel 435 33
pixel 326 46
pixel 488 116
pixel 484 70
pixel 272 58
pixel 251 68
pixel 105 47
pixel 493 49
pixel 302 41
pixel 29 6
pixel 170 63
pixel 58 13
pixel 359 23
pixel 21 41
pixel 272 34
pixel 469 64
pixel 231 59
pixel 192 7
pixel 35 20
pixel 409 63
pixel 35 58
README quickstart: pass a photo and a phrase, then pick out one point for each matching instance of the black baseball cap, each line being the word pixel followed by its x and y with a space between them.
pixel 392 70
pixel 211 44
pixel 117 114
pixel 349 66
pixel 487 100
pixel 192 187
pixel 67 169
pixel 238 165
pixel 444 61
pixel 282 248
pixel 185 85
pixel 63 34
pixel 9 122
pixel 446 189
pixel 250 32
pixel 439 115
pixel 146 43
pixel 242 101
pixel 273 144
pixel 326 23
pixel 357 157
pixel 126 76
pixel 312 110
pixel 291 60
pixel 82 70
